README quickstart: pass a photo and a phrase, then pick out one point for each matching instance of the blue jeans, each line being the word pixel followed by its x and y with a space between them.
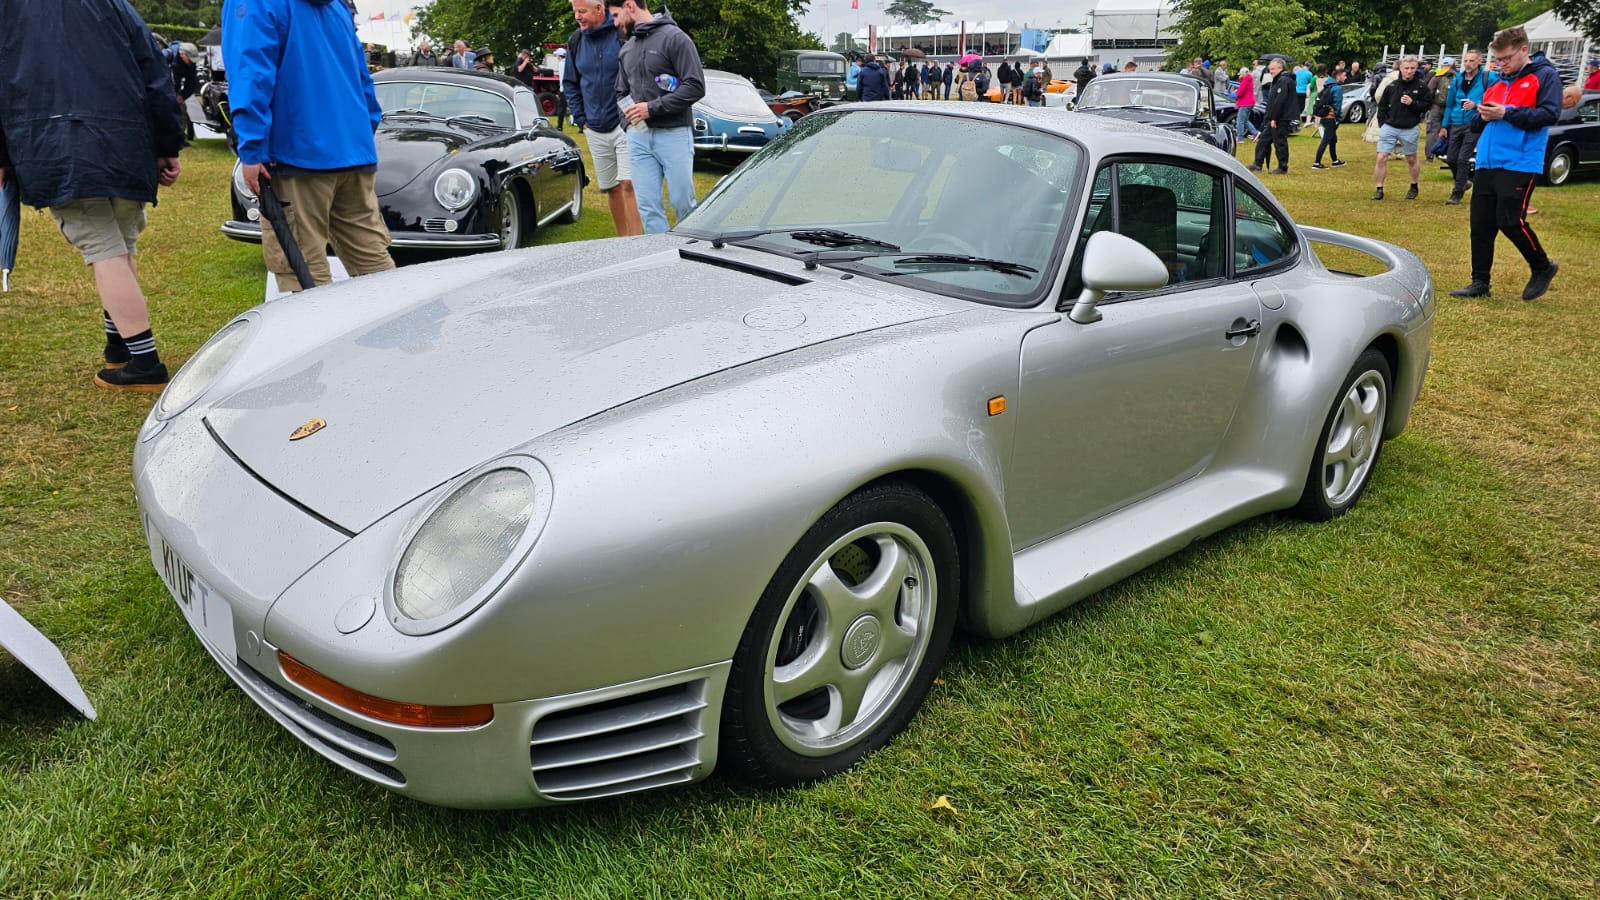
pixel 657 154
pixel 1244 127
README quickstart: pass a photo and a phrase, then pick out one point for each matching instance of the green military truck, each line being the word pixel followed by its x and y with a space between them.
pixel 817 72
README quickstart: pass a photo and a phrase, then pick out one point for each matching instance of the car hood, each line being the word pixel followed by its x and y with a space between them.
pixel 453 379
pixel 405 151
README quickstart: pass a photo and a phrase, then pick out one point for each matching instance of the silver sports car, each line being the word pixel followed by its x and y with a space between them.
pixel 555 524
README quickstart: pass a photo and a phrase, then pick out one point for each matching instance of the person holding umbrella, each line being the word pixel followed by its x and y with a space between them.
pixel 95 181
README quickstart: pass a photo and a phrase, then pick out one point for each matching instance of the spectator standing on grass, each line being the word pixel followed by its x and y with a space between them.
pixel 1245 106
pixel 874 81
pixel 1083 75
pixel 913 82
pixel 1033 88
pixel 852 76
pixel 1326 108
pixel 1281 111
pixel 948 78
pixel 1220 82
pixel 310 116
pixel 1460 107
pixel 95 180
pixel 1439 84
pixel 462 58
pixel 185 81
pixel 1514 119
pixel 589 84
pixel 661 73
pixel 525 68
pixel 1401 104
pixel 1302 91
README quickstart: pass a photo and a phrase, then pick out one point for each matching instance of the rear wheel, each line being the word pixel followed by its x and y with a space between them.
pixel 1559 171
pixel 1356 113
pixel 844 641
pixel 570 217
pixel 549 105
pixel 1351 440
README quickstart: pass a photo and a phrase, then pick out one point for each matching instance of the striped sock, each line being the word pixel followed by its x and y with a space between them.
pixel 143 348
pixel 116 351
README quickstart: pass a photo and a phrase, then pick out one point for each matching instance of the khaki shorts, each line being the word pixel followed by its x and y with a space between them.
pixel 100 228
pixel 610 152
pixel 338 208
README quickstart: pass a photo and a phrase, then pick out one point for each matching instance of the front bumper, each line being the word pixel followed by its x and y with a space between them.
pixel 720 143
pixel 229 548
pixel 250 232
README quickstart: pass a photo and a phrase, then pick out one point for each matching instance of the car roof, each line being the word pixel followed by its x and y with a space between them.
pixel 442 75
pixel 1150 76
pixel 719 75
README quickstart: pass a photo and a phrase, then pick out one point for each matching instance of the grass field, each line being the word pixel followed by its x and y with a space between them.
pixel 1404 701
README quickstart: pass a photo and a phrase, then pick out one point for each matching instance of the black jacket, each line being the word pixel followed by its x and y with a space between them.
pixel 1083 75
pixel 94 124
pixel 660 47
pixel 1394 113
pixel 185 78
pixel 873 82
pixel 1282 105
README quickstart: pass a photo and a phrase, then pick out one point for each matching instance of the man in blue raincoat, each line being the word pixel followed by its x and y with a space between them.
pixel 90 135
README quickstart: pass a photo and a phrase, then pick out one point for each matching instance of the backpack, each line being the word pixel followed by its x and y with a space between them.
pixel 969 87
pixel 1324 106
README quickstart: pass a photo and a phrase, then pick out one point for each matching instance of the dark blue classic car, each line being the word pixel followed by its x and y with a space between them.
pixel 465 162
pixel 732 118
pixel 1166 100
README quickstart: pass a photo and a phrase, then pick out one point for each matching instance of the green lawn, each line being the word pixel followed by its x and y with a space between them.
pixel 1406 700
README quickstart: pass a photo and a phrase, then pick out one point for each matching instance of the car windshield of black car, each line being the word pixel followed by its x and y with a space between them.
pixel 445 101
pixel 1143 93
pixel 992 194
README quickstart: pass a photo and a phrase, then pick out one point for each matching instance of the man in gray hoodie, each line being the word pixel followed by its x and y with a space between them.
pixel 658 82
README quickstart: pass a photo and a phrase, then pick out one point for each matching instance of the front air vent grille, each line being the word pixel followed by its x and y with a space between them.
pixel 620 746
pixel 437 226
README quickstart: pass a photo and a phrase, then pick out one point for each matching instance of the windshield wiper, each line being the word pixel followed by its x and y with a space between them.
pixel 827 237
pixel 958 259
pixel 409 111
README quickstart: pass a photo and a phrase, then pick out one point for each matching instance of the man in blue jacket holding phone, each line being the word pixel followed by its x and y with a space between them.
pixel 309 112
pixel 1460 108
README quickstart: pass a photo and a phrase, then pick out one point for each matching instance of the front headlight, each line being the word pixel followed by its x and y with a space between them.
pixel 455 189
pixel 202 369
pixel 239 185
pixel 468 545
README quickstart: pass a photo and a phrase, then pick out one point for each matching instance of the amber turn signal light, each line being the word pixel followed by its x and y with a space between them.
pixel 416 715
pixel 997 405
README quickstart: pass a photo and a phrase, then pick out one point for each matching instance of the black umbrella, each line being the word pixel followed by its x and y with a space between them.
pixel 10 224
pixel 272 211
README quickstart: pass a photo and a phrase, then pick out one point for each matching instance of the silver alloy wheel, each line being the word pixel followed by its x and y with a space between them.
pixel 1354 437
pixel 509 213
pixel 1357 113
pixel 1560 168
pixel 850 638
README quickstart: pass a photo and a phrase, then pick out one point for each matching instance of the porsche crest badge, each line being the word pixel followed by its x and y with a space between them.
pixel 308 429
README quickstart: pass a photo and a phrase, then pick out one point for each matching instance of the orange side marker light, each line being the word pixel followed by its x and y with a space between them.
pixel 997 405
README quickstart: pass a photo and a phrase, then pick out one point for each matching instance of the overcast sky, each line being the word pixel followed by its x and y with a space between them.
pixel 829 17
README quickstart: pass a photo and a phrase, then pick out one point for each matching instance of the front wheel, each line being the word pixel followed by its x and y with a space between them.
pixel 1351 439
pixel 845 640
pixel 509 218
pixel 1356 113
pixel 1559 171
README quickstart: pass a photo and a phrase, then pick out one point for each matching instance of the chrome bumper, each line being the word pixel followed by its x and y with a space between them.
pixel 250 232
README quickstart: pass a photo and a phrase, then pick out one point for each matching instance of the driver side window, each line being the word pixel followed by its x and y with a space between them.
pixel 1173 210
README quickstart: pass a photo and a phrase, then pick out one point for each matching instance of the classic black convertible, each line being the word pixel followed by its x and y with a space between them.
pixel 1163 99
pixel 465 162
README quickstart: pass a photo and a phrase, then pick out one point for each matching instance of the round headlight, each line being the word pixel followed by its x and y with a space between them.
pixel 239 186
pixel 202 369
pixel 466 547
pixel 455 189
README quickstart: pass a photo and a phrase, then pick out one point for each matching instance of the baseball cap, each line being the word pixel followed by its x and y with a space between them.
pixel 1448 61
pixel 561 51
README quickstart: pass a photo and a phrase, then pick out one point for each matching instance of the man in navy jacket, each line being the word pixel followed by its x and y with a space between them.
pixel 303 102
pixel 589 82
pixel 90 137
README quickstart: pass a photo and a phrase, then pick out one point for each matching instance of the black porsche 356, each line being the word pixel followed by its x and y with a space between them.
pixel 465 162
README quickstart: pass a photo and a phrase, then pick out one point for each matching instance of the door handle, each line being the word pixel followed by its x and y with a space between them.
pixel 1243 328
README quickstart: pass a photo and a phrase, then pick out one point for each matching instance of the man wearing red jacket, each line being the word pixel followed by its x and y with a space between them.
pixel 1514 118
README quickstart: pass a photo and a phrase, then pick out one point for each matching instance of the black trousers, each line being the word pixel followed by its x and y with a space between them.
pixel 1330 139
pixel 1500 206
pixel 1463 143
pixel 1273 139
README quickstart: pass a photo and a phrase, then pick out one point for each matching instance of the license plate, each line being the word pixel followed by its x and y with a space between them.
pixel 206 611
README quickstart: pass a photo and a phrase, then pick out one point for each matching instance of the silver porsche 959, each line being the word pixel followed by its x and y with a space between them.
pixel 564 523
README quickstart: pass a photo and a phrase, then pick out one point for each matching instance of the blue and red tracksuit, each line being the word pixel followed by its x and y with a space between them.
pixel 1510 156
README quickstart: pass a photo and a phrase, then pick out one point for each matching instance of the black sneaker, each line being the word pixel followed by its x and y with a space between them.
pixel 1252 168
pixel 1318 166
pixel 1281 170
pixel 127 378
pixel 1455 199
pixel 1412 194
pixel 1377 194
pixel 1337 163
pixel 1475 289
pixel 1539 283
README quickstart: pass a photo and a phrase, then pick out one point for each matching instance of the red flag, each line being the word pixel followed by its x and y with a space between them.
pixel 378 17
pixel 855 4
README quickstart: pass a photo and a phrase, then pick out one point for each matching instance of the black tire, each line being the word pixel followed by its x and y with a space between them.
pixel 511 218
pixel 1356 113
pixel 1559 170
pixel 771 742
pixel 549 104
pixel 1356 421
pixel 575 211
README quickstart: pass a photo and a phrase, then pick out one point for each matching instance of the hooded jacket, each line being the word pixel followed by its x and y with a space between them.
pixel 1463 88
pixel 298 84
pixel 93 126
pixel 589 79
pixel 873 83
pixel 660 47
pixel 1532 99
pixel 1397 114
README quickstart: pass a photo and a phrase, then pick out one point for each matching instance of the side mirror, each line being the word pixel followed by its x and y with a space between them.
pixel 540 123
pixel 1114 262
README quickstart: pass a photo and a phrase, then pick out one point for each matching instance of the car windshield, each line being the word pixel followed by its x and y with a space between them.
pixel 1149 93
pixel 444 101
pixel 736 99
pixel 960 206
pixel 821 65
